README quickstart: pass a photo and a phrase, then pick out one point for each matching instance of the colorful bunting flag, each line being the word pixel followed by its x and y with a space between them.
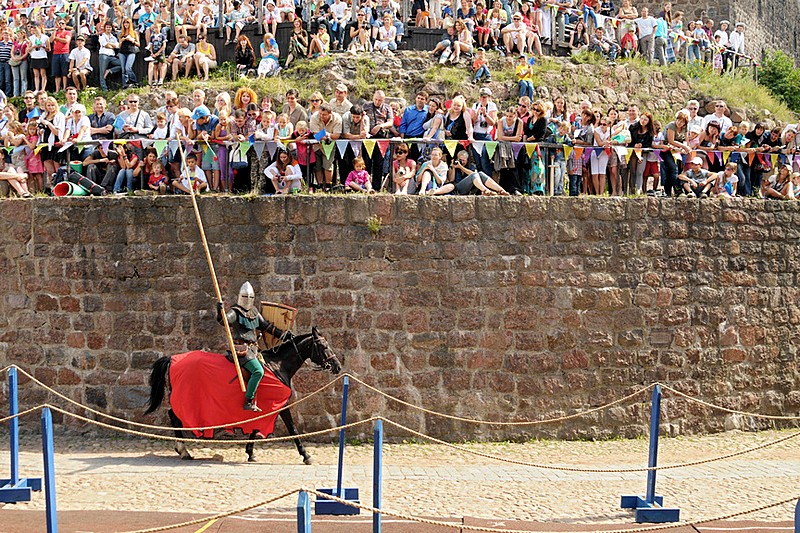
pixel 369 145
pixel 490 147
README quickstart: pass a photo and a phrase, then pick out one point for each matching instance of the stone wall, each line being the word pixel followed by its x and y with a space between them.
pixel 495 308
pixel 770 24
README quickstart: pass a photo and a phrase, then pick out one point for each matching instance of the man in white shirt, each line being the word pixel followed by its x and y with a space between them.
pixel 647 27
pixel 692 107
pixel 719 117
pixel 736 43
pixel 79 66
pixel 339 15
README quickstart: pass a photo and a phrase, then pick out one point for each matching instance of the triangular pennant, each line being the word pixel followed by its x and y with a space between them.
pixel 750 157
pixel 725 156
pixel 465 144
pixel 259 148
pixel 39 148
pixel 676 156
pixel 490 147
pixel 774 158
pixel 67 146
pixel 341 146
pixel 173 148
pixel 105 145
pixel 478 147
pixel 137 144
pixel 797 160
pixel 147 143
pixel 530 148
pixel 622 152
pixel 718 155
pixel 272 147
pixel 355 146
pixel 328 146
pixel 599 151
pixel 160 146
pixel 369 145
pixel 638 152
pixel 383 146
pixel 244 147
pixel 515 148
pixel 567 150
pixel 120 141
pixel 578 151
pixel 451 147
pixel 657 153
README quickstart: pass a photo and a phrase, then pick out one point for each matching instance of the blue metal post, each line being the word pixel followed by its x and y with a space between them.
pixel 13 410
pixel 652 461
pixel 303 513
pixel 797 517
pixel 49 471
pixel 377 475
pixel 339 472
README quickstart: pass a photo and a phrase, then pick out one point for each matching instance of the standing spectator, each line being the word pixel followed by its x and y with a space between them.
pixel 293 109
pixel 381 119
pixel 340 104
pixel 675 139
pixel 243 98
pixel 128 48
pixel 718 116
pixel 339 13
pixel 6 79
pixel 40 45
pixel 59 42
pixel 157 70
pixel 647 27
pixel 79 66
pixel 484 120
pixel 136 123
pixel 109 63
pixel 101 121
pixel 19 62
pixel 660 40
pixel 736 44
pixel 29 99
pixel 52 123
pixel 331 123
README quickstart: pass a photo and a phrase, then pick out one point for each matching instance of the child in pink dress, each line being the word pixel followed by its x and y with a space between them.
pixel 33 161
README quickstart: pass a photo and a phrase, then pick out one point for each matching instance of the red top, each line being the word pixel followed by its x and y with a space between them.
pixel 58 46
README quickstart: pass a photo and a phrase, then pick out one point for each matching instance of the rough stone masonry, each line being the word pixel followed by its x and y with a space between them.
pixel 490 308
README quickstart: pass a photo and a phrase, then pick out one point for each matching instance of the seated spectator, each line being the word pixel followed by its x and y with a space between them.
pixel 463 42
pixel 697 181
pixel 403 171
pixel 320 43
pixel 727 181
pixel 779 186
pixel 629 42
pixel 515 35
pixel 605 46
pixel 298 42
pixel 359 35
pixel 205 56
pixel 432 174
pixel 130 167
pixel 79 66
pixel 285 175
pixel 497 18
pixel 108 61
pixel 236 20
pixel 192 177
pixel 580 36
pixel 182 57
pixel 245 56
pixel 359 179
pixel 444 48
pixel 287 10
pixel 463 179
pixel 524 74
pixel 270 53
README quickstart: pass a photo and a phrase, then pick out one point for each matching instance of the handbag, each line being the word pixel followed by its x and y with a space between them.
pixel 14 62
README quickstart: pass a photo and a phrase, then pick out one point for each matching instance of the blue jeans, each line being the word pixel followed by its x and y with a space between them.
pixel 482 159
pixel 483 71
pixel 669 174
pixel 6 78
pixel 127 61
pixel 110 64
pixel 122 175
pixel 744 188
pixel 525 89
pixel 693 53
pixel 20 75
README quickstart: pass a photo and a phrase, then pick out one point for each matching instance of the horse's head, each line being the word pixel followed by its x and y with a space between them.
pixel 322 354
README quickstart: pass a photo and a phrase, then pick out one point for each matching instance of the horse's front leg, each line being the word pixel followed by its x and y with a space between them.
pixel 180 447
pixel 288 421
pixel 249 447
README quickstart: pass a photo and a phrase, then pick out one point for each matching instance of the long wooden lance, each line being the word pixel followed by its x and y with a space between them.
pixel 211 267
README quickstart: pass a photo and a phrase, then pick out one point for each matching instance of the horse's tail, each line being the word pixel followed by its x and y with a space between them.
pixel 158 383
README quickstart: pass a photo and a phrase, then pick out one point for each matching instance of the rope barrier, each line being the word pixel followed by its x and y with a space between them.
pixel 208 442
pixel 23 413
pixel 726 409
pixel 454 525
pixel 217 516
pixel 169 428
pixel 520 423
pixel 587 470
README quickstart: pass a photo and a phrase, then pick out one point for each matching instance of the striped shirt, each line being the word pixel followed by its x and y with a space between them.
pixel 5 51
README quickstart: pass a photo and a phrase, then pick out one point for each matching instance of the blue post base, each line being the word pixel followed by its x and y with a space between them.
pixel 329 507
pixel 650 512
pixel 21 491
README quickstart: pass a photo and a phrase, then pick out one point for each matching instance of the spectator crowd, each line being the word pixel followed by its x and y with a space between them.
pixel 244 143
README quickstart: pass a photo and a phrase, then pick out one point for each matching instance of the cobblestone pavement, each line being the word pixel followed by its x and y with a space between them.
pixel 430 480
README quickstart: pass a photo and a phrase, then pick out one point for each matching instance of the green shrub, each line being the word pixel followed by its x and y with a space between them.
pixel 779 75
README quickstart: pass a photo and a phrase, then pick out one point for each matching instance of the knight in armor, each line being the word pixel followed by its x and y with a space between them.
pixel 247 325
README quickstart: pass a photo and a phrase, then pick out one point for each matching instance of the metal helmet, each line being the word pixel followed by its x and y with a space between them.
pixel 247 296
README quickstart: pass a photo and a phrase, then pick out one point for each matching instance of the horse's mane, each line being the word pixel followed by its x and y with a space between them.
pixel 282 350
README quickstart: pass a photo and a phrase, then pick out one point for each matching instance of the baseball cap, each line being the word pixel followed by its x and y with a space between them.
pixel 341 87
pixel 697 161
pixel 200 112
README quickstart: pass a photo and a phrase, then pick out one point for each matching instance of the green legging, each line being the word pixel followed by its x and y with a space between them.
pixel 256 373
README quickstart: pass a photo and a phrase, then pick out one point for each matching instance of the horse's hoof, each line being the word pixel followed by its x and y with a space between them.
pixel 252 459
pixel 308 460
pixel 187 457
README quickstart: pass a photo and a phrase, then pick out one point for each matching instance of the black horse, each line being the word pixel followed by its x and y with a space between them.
pixel 202 379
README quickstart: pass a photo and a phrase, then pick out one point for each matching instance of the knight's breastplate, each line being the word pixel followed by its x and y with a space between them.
pixel 243 329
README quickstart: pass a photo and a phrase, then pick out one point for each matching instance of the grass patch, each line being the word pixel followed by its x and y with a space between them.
pixel 451 77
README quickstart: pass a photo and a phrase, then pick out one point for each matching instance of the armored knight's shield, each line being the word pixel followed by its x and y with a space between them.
pixel 281 315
